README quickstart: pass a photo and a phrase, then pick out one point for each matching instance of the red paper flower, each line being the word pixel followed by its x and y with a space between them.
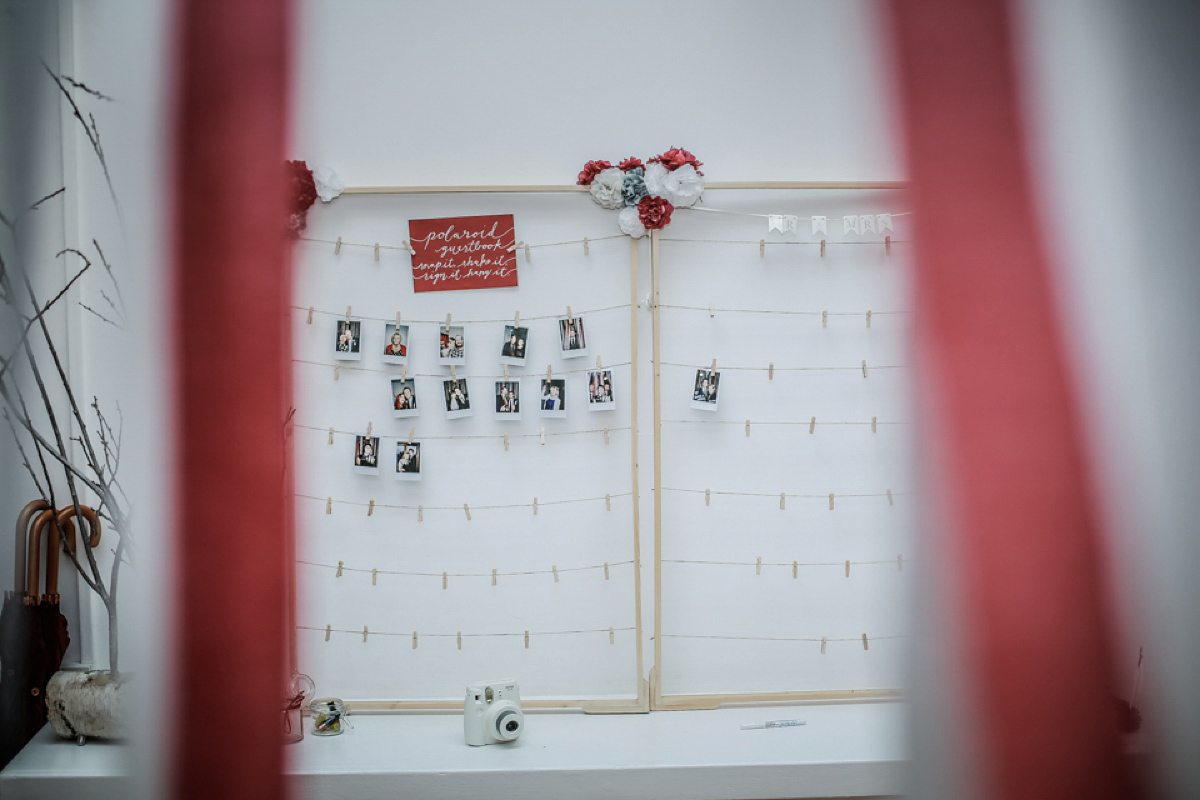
pixel 590 170
pixel 675 158
pixel 655 212
pixel 302 191
pixel 630 163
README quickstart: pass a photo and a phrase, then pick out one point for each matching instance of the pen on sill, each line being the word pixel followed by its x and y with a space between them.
pixel 774 723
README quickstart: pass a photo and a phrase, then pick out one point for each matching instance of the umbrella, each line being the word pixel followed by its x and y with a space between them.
pixel 53 623
pixel 21 713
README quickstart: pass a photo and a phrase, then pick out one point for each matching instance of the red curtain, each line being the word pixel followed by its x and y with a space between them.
pixel 231 284
pixel 1009 440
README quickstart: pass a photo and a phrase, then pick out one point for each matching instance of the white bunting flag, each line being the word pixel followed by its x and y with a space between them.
pixel 774 223
pixel 866 223
pixel 789 223
pixel 883 222
pixel 850 224
pixel 818 225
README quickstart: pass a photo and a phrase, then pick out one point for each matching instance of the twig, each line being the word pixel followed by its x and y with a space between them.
pixel 92 134
pixel 84 87
pixel 47 197
pixel 103 318
pixel 111 277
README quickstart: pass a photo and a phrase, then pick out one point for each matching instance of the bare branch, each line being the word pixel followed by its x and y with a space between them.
pixel 90 131
pixel 84 87
pixel 47 197
pixel 116 285
pixel 103 318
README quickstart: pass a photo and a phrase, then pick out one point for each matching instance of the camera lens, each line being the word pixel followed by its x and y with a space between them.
pixel 511 726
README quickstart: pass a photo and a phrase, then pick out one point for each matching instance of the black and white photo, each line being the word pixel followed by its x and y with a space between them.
pixel 404 398
pixel 458 400
pixel 554 398
pixel 348 342
pixel 395 347
pixel 508 400
pixel 452 345
pixel 512 349
pixel 572 337
pixel 408 461
pixel 600 390
pixel 366 454
pixel 704 392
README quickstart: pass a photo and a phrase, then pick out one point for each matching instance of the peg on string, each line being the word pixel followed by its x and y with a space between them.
pixel 612 638
pixel 569 312
pixel 608 502
pixel 762 247
pixel 409 247
pixel 371 508
pixel 467 510
pixel 900 563
pixel 887 245
pixel 831 501
pixel 374 577
pixel 597 362
pixel 771 371
pixel 890 501
pixel 339 570
pixel 506 442
pixel 377 251
pixel 337 371
pixel 516 320
pixel 397 320
pixel 513 247
pixel 758 566
pixel 874 422
pixel 865 647
pixel 369 426
pixel 310 313
pixel 348 308
pixel 605 570
pixel 606 434
pixel 337 247
pixel 331 435
pixel 527 259
pixel 453 372
pixel 364 633
pixel 328 630
pixel 414 647
pixel 822 645
pixel 554 569
pixel 543 434
pixel 712 312
pixel 782 501
pixel 812 425
pixel 506 372
pixel 460 640
pixel 847 568
pixel 868 317
pixel 713 368
pixel 403 371
pixel 585 246
pixel 822 256
pixel 747 429
pixel 420 513
pixel 447 323
pixel 795 568
pixel 412 431
pixel 329 506
pixel 708 497
pixel 549 371
pixel 493 577
pixel 535 506
pixel 526 640
pixel 824 319
pixel 864 363
pixel 445 579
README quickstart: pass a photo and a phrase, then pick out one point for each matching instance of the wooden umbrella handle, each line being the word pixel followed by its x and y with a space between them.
pixel 23 521
pixel 44 519
pixel 66 518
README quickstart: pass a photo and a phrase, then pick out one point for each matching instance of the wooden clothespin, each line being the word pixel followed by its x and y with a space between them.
pixel 414 647
pixel 369 425
pixel 506 372
pixel 831 501
pixel 606 434
pixel 585 246
pixel 329 506
pixel 445 579
pixel 762 247
pixel 824 319
pixel 782 501
pixel 420 513
pixel 795 569
pixel 887 245
pixel 874 422
pixel 493 577
pixel 713 368
pixel 403 371
pixel 822 645
pixel 549 371
pixel 597 362
pixel 374 576
pixel 608 502
pixel 337 247
pixel 310 313
pixel 822 256
pixel 453 372
pixel 543 434
pixel 612 639
pixel 569 313
pixel 516 320
pixel 447 322
pixel 409 247
pixel 339 570
pixel 411 433
pixel 864 363
pixel 758 566
pixel 605 570
pixel 771 371
pixel 554 569
pixel 535 506
pixel 708 497
pixel 812 425
pixel 331 435
pixel 348 310
pixel 712 311
pixel 397 320
pixel 328 630
pixel 868 317
pixel 506 442
pixel 889 494
pixel 467 511
pixel 865 647
pixel 526 640
pixel 377 251
pixel 337 371
pixel 512 247
pixel 747 429
pixel 527 259
pixel 847 568
pixel 364 633
pixel 460 640
pixel 371 508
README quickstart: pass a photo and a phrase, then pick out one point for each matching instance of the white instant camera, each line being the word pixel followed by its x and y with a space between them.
pixel 493 713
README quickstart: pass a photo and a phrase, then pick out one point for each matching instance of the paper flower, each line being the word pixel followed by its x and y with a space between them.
pixel 655 178
pixel 303 193
pixel 606 188
pixel 631 163
pixel 328 184
pixel 634 187
pixel 683 186
pixel 631 224
pixel 675 158
pixel 655 212
pixel 590 170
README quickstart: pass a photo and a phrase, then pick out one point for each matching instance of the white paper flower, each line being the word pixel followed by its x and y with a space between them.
pixel 683 187
pixel 329 185
pixel 606 188
pixel 656 176
pixel 629 222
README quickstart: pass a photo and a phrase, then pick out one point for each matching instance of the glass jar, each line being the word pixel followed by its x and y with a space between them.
pixel 328 716
pixel 300 687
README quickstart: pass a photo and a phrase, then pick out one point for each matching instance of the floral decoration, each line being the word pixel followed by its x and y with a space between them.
pixel 645 192
pixel 302 194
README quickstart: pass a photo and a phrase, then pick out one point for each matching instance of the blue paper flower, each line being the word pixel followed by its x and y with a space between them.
pixel 634 187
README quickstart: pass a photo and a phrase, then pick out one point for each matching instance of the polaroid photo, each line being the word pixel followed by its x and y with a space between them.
pixel 395 344
pixel 408 461
pixel 512 349
pixel 404 398
pixel 458 400
pixel 347 345
pixel 508 400
pixel 366 454
pixel 600 390
pixel 570 333
pixel 452 348
pixel 554 398
pixel 704 393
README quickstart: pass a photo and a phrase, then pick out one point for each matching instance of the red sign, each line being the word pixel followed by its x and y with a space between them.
pixel 463 253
